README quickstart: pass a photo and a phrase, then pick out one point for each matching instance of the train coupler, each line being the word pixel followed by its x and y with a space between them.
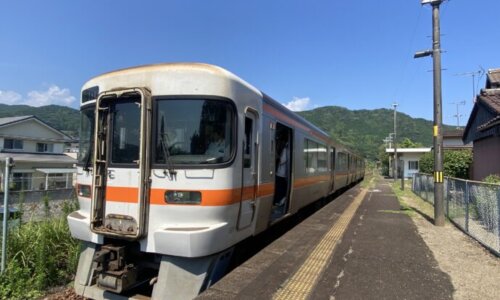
pixel 114 273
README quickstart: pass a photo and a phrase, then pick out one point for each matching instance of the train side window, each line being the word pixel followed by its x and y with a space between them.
pixel 247 159
pixel 332 158
pixel 311 156
pixel 342 161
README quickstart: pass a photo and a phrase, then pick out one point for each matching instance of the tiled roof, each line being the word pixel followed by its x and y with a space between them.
pixel 493 80
pixel 453 133
pixel 493 122
pixel 491 98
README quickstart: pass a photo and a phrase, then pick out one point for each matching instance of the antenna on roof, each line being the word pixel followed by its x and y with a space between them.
pixel 473 75
pixel 458 115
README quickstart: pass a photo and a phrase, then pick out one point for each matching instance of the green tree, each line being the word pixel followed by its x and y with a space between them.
pixel 383 157
pixel 407 143
pixel 456 163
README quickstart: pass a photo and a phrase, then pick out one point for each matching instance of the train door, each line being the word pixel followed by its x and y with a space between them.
pixel 249 171
pixel 332 169
pixel 121 163
pixel 283 172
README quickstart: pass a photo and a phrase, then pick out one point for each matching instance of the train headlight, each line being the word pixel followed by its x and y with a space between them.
pixel 84 190
pixel 182 197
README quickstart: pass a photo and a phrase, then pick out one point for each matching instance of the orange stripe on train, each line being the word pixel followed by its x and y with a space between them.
pixel 208 197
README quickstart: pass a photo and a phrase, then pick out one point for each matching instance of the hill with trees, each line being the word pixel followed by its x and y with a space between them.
pixel 364 130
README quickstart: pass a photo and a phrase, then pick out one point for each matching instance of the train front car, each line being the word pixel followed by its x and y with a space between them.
pixel 164 153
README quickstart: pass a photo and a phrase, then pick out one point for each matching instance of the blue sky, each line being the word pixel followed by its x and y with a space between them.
pixel 355 54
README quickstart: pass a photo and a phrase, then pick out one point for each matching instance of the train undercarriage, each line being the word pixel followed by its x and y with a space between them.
pixel 119 270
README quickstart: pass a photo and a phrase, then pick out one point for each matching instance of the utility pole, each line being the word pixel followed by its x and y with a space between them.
pixel 439 218
pixel 395 165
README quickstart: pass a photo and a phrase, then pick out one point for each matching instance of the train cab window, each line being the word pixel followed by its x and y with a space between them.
pixel 194 131
pixel 126 135
pixel 87 120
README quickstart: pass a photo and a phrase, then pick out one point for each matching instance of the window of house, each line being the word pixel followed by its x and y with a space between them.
pixel 20 181
pixel 43 147
pixel 413 165
pixel 13 144
pixel 57 181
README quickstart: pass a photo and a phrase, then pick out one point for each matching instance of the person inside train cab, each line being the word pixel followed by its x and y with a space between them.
pixel 217 145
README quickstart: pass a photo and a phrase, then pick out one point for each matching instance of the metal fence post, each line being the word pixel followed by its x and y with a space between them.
pixel 8 165
pixel 447 198
pixel 467 206
pixel 498 217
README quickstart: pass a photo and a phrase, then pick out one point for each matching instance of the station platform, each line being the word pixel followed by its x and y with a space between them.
pixel 362 245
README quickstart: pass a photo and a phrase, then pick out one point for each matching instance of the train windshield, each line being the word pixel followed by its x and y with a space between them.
pixel 194 131
pixel 87 120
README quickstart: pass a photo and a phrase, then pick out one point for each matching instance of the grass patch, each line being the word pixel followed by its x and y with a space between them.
pixel 411 201
pixel 40 255
pixel 370 180
pixel 401 194
pixel 404 210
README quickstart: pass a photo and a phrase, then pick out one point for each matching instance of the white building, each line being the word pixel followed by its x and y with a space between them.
pixel 37 150
pixel 407 157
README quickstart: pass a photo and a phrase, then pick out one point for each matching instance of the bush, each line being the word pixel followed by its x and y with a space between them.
pixel 39 255
pixel 492 178
pixel 456 163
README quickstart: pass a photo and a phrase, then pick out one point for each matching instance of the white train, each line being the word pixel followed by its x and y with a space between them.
pixel 180 162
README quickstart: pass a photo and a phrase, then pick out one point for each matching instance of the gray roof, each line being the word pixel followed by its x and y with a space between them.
pixel 8 120
pixel 11 120
pixel 39 158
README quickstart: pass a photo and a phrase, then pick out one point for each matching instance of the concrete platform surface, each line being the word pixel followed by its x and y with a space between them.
pixel 362 245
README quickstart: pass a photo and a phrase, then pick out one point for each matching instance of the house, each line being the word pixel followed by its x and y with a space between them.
pixel 483 129
pixel 452 140
pixel 409 158
pixel 37 149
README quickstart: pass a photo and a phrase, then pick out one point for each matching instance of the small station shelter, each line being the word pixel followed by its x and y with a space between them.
pixel 409 158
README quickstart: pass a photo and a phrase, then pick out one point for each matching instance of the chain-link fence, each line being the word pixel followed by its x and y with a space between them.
pixel 27 182
pixel 472 206
pixel 37 205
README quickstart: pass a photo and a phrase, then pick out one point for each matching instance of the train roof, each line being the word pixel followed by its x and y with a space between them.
pixel 217 71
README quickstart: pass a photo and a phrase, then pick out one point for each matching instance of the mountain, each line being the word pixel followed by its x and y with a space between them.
pixel 60 117
pixel 364 130
pixel 361 130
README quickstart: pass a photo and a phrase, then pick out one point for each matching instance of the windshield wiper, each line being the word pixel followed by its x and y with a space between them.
pixel 88 158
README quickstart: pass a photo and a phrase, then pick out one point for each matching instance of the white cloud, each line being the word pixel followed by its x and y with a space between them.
pixel 298 104
pixel 53 95
pixel 10 97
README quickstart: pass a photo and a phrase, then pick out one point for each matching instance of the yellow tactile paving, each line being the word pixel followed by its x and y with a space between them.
pixel 300 285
